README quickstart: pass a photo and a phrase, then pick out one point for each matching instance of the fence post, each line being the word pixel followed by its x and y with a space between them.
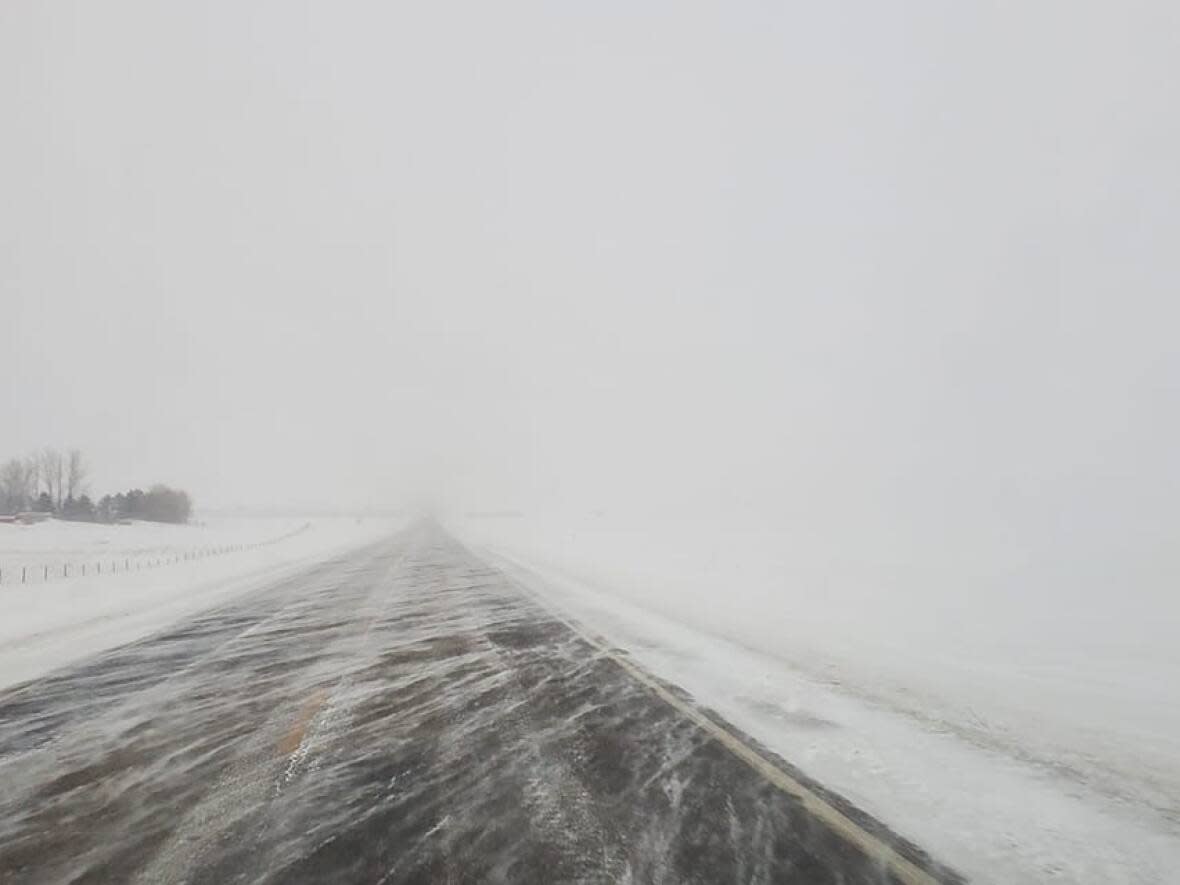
pixel 23 569
pixel 45 577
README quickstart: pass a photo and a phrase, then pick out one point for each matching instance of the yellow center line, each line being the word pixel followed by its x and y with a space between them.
pixel 293 739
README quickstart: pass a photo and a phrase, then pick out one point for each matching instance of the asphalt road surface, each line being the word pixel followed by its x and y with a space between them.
pixel 403 714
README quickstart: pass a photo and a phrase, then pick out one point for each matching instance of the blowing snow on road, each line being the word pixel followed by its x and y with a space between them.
pixel 405 713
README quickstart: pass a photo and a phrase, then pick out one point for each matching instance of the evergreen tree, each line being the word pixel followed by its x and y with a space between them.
pixel 85 509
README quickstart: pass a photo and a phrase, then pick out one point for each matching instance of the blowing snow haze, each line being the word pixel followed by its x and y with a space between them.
pixel 884 270
pixel 843 331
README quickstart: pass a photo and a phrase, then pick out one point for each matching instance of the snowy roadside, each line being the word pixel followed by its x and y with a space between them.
pixel 992 815
pixel 58 550
pixel 45 626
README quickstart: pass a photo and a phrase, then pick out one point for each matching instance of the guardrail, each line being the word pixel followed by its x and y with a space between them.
pixel 83 567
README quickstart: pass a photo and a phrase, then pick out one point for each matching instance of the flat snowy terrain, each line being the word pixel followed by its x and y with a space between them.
pixel 151 575
pixel 1001 751
pixel 59 544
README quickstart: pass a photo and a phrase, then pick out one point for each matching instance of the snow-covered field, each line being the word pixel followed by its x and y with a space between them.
pixel 55 549
pixel 152 575
pixel 1018 743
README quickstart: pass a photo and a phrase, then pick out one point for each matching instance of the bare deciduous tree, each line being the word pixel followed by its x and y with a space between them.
pixel 52 467
pixel 77 471
pixel 12 486
pixel 18 484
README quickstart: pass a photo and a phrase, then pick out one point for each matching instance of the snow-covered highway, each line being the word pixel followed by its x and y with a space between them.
pixel 406 712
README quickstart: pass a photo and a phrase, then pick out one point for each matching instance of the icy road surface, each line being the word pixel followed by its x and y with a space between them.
pixel 404 713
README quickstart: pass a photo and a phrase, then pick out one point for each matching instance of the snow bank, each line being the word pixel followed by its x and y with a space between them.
pixel 45 626
pixel 987 724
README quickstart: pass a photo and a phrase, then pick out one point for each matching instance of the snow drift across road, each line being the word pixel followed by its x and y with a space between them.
pixel 45 626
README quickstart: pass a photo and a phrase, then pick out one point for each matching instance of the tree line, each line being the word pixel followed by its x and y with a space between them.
pixel 56 482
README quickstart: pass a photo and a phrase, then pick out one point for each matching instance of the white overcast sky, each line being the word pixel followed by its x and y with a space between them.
pixel 902 266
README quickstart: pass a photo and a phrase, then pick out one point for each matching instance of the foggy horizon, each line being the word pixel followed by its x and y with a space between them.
pixel 763 257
